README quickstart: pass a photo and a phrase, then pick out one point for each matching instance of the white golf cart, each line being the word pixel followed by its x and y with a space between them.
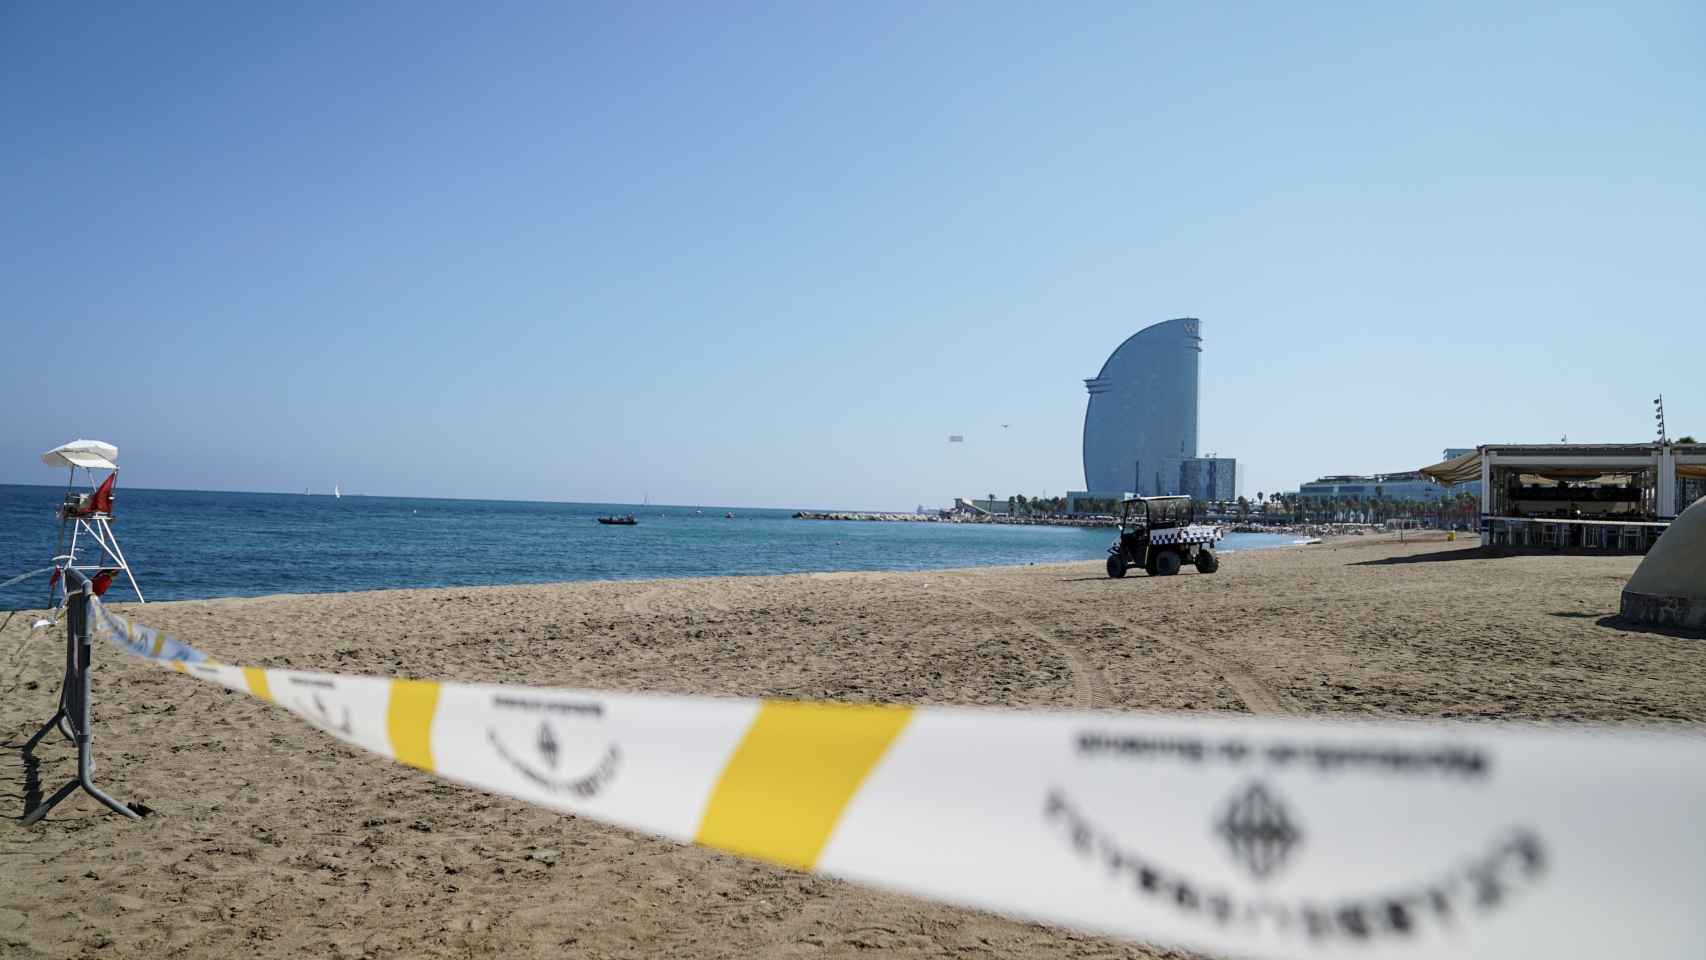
pixel 1159 535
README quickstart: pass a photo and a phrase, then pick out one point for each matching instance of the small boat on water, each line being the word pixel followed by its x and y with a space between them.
pixel 625 520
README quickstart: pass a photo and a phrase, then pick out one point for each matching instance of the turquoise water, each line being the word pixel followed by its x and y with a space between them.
pixel 188 544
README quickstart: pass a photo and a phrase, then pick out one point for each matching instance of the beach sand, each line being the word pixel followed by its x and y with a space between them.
pixel 268 839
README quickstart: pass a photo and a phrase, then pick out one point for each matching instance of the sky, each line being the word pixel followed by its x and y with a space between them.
pixel 774 255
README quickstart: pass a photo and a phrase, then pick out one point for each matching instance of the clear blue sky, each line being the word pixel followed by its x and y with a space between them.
pixel 774 255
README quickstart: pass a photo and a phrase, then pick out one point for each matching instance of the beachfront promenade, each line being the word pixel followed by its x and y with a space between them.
pixel 1251 524
pixel 270 835
pixel 958 518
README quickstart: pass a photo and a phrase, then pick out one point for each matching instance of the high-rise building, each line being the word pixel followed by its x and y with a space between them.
pixel 1141 422
pixel 1205 478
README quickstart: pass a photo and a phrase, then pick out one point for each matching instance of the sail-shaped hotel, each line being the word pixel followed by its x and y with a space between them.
pixel 1140 428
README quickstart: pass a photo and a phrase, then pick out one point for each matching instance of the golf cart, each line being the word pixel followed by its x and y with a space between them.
pixel 1157 534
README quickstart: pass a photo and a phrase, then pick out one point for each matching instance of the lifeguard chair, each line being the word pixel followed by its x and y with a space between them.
pixel 86 519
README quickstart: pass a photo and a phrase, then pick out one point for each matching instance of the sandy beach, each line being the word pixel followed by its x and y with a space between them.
pixel 268 839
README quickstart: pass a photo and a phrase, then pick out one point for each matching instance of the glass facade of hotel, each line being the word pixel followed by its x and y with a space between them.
pixel 1141 422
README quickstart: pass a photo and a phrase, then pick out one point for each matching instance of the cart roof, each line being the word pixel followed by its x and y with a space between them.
pixel 83 453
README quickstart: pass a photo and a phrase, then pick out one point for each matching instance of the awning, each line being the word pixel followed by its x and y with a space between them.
pixel 1460 469
pixel 1467 468
pixel 83 453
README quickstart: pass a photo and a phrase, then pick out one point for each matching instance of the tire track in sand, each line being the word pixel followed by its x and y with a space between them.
pixel 1090 688
pixel 1256 693
pixel 1258 696
pixel 679 597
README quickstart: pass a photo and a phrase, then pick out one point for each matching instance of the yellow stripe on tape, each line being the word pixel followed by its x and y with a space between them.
pixel 792 775
pixel 178 665
pixel 408 721
pixel 257 679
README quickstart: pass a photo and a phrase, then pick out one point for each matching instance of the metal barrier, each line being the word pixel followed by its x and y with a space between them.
pixel 72 717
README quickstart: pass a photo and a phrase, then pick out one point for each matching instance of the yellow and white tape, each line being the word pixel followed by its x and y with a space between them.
pixel 1256 838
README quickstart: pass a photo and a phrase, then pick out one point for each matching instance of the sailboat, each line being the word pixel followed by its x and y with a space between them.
pixel 337 491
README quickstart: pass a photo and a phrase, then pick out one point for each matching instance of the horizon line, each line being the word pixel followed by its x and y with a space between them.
pixel 394 496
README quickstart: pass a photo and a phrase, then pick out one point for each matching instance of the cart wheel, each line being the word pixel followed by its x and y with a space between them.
pixel 1167 563
pixel 1116 567
pixel 1207 562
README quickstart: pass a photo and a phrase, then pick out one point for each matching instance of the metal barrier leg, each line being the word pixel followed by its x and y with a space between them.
pixel 61 714
pixel 31 745
pixel 72 717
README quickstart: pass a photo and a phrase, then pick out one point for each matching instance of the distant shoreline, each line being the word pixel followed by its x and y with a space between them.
pixel 877 517
pixel 1240 526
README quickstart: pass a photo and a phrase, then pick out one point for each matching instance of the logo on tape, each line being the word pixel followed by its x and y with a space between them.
pixel 566 731
pixel 1263 834
pixel 315 710
pixel 1258 830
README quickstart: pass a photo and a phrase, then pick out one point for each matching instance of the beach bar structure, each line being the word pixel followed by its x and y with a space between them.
pixel 1616 497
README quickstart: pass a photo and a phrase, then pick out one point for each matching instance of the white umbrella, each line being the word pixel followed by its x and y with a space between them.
pixel 83 453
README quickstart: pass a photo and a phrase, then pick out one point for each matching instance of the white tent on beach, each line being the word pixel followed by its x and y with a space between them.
pixel 1669 587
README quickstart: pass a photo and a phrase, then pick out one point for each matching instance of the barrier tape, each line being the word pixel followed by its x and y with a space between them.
pixel 25 576
pixel 1252 837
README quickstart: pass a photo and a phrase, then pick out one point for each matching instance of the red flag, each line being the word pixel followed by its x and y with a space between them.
pixel 103 499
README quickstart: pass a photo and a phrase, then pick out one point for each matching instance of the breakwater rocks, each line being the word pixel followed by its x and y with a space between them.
pixel 962 518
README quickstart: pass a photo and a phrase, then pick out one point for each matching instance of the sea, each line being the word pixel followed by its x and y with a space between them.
pixel 187 544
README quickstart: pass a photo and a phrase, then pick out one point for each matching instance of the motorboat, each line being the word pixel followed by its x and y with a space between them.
pixel 625 520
